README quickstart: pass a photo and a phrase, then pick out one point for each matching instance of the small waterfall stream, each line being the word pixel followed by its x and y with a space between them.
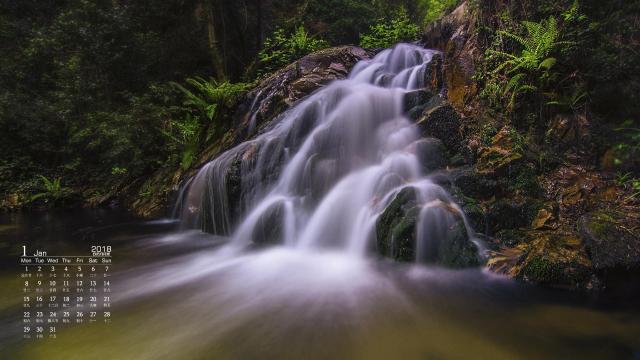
pixel 327 168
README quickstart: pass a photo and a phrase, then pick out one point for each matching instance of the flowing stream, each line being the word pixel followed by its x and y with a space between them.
pixel 312 185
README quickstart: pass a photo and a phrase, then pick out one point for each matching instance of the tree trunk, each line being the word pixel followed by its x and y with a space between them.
pixel 216 58
pixel 258 25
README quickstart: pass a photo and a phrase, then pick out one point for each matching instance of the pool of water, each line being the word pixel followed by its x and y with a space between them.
pixel 187 295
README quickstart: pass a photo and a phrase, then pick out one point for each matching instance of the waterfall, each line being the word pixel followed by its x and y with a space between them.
pixel 326 169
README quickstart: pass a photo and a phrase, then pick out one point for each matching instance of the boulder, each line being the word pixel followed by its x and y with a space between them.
pixel 473 183
pixel 431 153
pixel 612 239
pixel 288 85
pixel 505 152
pixel 397 233
pixel 396 227
pixel 545 257
pixel 270 227
pixel 455 35
pixel 442 122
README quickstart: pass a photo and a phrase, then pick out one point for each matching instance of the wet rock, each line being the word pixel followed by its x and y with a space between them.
pixel 270 227
pixel 612 239
pixel 431 154
pixel 288 85
pixel 505 152
pixel 397 234
pixel 455 36
pixel 396 227
pixel 442 122
pixel 544 257
pixel 509 213
pixel 444 239
pixel 473 183
pixel 416 98
pixel 415 102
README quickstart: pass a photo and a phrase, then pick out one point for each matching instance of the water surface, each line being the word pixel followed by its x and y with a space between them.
pixel 185 295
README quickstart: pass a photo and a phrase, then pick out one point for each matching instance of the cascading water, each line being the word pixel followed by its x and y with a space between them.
pixel 328 167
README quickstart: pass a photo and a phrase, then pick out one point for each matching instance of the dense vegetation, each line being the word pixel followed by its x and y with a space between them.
pixel 95 95
pixel 548 61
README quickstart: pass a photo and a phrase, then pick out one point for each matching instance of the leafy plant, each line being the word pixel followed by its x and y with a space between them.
pixel 530 68
pixel 118 171
pixel 199 117
pixel 53 190
pixel 281 49
pixel 433 9
pixel 386 34
pixel 627 151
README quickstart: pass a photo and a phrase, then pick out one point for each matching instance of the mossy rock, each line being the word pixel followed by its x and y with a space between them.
pixel 457 250
pixel 269 229
pixel 431 153
pixel 396 232
pixel 505 152
pixel 416 99
pixel 509 213
pixel 545 257
pixel 612 239
pixel 473 183
pixel 442 122
pixel 395 228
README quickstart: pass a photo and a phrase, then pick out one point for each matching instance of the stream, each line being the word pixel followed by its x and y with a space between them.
pixel 178 295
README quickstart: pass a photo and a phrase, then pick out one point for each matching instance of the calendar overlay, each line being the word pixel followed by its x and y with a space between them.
pixel 64 290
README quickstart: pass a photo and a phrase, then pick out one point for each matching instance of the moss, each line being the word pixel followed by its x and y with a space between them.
pixel 395 228
pixel 602 224
pixel 540 269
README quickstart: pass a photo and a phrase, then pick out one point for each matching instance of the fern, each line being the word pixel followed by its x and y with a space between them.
pixel 281 49
pixel 53 190
pixel 201 111
pixel 528 69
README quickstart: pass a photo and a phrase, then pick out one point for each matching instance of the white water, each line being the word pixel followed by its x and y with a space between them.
pixel 328 167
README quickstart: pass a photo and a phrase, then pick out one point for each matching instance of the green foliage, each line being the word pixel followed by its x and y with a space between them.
pixel 529 69
pixel 434 9
pixel 281 49
pixel 118 171
pixel 53 190
pixel 386 34
pixel 627 181
pixel 200 118
pixel 627 150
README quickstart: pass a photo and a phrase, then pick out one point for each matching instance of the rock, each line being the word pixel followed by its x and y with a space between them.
pixel 416 101
pixel 545 257
pixel 276 93
pixel 431 154
pixel 442 122
pixel 473 183
pixel 396 227
pixel 455 35
pixel 510 213
pixel 505 150
pixel 270 227
pixel 570 130
pixel 612 239
pixel 434 75
pixel 443 239
pixel 397 233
